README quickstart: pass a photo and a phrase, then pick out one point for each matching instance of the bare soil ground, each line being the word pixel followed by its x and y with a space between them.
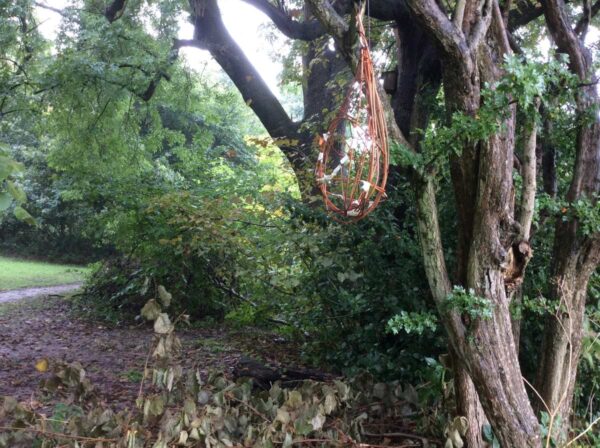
pixel 114 358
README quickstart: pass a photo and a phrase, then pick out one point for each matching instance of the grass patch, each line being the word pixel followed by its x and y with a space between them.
pixel 15 273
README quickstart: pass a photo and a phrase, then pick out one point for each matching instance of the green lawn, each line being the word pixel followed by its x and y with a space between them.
pixel 15 273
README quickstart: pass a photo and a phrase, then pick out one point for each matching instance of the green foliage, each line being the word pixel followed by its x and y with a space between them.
pixel 585 210
pixel 413 322
pixel 525 84
pixel 469 303
pixel 10 191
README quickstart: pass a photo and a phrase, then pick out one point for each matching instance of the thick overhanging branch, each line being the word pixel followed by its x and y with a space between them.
pixel 447 34
pixel 566 40
pixel 525 11
pixel 210 34
pixel 291 28
pixel 336 26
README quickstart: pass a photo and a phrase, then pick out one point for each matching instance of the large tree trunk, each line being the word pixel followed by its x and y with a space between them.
pixel 576 253
pixel 489 348
pixel 561 350
pixel 575 257
pixel 482 177
pixel 467 400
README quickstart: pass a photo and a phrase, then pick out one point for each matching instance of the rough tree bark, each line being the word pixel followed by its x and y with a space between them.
pixel 576 254
pixel 482 176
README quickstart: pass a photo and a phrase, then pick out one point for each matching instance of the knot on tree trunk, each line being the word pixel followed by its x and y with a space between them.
pixel 513 267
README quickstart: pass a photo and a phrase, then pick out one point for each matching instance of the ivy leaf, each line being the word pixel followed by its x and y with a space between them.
pixel 288 442
pixel 330 403
pixel 154 406
pixel 318 421
pixel 283 416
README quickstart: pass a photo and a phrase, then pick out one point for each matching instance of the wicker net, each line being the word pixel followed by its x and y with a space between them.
pixel 352 167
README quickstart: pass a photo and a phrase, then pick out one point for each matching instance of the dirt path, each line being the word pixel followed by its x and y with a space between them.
pixel 23 293
pixel 47 327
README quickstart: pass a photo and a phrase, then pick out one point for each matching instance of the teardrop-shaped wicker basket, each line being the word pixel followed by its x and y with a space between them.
pixel 352 167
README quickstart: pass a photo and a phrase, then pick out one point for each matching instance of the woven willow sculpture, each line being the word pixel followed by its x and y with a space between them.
pixel 352 167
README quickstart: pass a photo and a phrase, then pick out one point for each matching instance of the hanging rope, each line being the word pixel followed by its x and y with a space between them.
pixel 352 167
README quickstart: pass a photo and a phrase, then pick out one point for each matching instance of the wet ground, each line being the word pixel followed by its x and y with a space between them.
pixel 114 358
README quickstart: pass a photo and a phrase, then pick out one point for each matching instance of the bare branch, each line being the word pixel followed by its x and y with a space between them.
pixel 529 179
pixel 482 25
pixel 51 8
pixel 502 35
pixel 459 13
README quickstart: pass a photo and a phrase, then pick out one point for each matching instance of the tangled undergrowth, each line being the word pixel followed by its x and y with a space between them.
pixel 181 408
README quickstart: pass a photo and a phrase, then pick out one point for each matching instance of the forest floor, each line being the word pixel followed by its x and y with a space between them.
pixel 46 327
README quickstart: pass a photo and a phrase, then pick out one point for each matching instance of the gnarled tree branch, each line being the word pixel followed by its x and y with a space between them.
pixel 566 40
pixel 210 33
pixel 289 27
pixel 447 34
pixel 482 25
